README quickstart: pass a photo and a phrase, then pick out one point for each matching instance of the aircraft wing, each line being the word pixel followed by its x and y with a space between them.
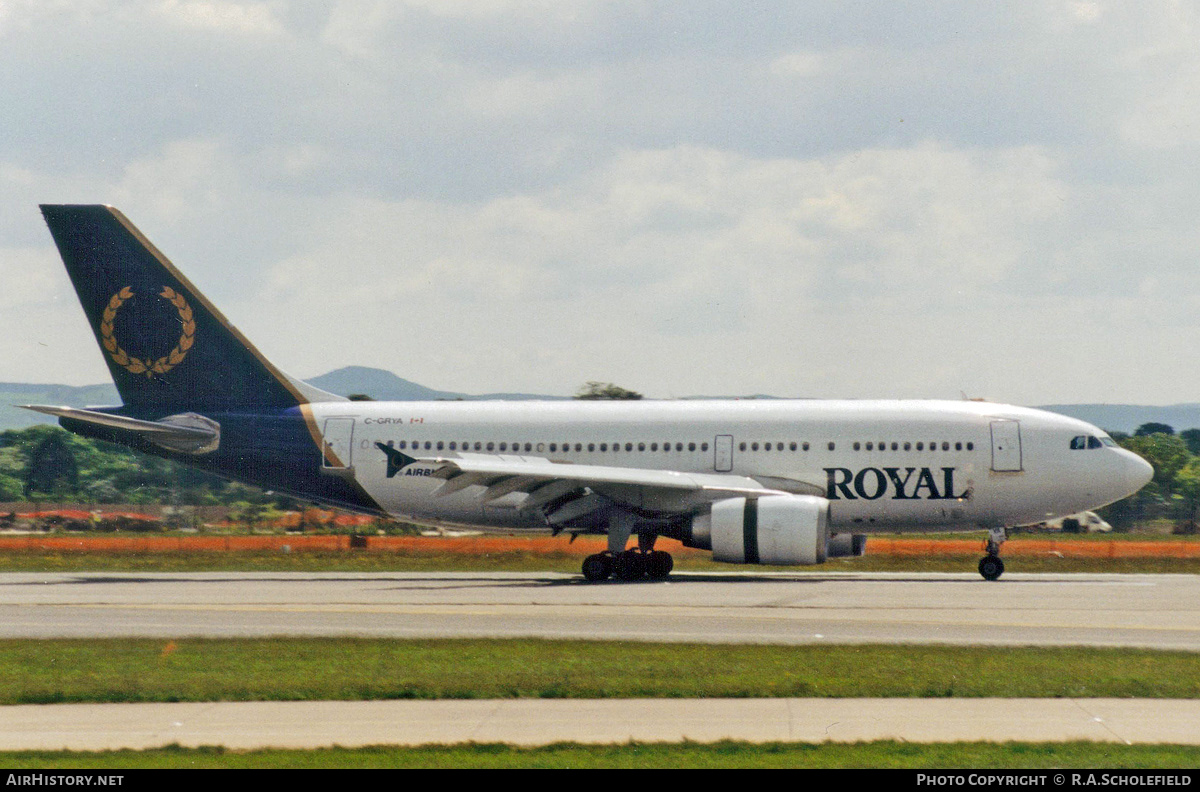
pixel 567 491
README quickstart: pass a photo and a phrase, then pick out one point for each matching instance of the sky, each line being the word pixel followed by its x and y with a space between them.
pixel 809 199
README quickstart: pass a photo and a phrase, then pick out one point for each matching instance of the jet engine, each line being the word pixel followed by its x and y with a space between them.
pixel 842 545
pixel 779 530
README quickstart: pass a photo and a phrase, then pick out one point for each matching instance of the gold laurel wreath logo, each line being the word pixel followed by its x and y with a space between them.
pixel 148 366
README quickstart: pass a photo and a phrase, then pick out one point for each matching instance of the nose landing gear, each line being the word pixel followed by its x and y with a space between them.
pixel 991 566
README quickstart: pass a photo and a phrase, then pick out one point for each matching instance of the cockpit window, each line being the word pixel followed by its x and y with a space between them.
pixel 1090 441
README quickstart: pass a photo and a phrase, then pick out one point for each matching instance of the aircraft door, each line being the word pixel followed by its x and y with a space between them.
pixel 1006 446
pixel 723 453
pixel 339 444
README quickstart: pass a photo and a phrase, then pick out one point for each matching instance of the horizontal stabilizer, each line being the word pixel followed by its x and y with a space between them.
pixel 188 432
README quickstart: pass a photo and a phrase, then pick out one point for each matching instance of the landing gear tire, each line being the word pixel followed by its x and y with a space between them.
pixel 991 567
pixel 597 567
pixel 659 565
pixel 630 565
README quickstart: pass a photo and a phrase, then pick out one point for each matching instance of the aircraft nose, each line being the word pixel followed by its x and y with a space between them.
pixel 1138 472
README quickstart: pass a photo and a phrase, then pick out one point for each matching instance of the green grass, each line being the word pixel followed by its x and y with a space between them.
pixel 111 670
pixel 724 754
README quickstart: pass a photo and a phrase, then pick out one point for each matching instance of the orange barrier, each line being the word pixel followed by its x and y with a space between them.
pixel 1087 548
pixel 546 545
pixel 169 544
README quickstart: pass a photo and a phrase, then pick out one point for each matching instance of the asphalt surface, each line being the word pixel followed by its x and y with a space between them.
pixel 1156 611
pixel 304 724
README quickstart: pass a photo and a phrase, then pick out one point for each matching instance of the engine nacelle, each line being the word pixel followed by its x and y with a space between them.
pixel 780 530
pixel 843 545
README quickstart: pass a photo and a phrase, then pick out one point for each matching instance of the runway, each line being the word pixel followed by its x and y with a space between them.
pixel 1154 611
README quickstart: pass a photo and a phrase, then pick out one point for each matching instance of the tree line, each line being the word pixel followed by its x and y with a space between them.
pixel 47 463
pixel 1174 492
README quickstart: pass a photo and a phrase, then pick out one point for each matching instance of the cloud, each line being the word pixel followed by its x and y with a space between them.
pixel 910 199
pixel 695 257
pixel 243 19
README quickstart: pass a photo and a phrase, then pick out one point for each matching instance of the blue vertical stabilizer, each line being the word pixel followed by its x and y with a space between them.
pixel 166 346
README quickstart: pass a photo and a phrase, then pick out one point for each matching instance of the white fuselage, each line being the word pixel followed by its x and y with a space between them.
pixel 883 465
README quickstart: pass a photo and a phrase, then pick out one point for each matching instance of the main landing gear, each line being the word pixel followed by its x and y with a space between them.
pixel 991 566
pixel 628 565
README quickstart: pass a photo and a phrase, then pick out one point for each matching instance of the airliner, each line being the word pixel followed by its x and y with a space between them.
pixel 771 482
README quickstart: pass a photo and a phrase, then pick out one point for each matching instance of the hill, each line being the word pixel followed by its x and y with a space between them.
pixel 1128 417
pixel 385 386
pixel 12 393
